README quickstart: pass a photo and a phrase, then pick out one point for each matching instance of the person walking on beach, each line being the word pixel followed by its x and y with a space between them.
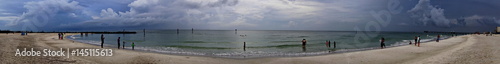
pixel 133 44
pixel 62 35
pixel 304 42
pixel 118 41
pixel 102 40
pixel 59 36
pixel 439 36
pixel 382 44
pixel 418 41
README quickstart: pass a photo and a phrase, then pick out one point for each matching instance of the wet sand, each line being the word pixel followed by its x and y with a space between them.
pixel 467 49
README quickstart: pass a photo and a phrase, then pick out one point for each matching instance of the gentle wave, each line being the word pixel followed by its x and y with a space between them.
pixel 198 47
pixel 179 49
pixel 277 46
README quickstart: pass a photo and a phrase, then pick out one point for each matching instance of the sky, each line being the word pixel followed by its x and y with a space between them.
pixel 330 15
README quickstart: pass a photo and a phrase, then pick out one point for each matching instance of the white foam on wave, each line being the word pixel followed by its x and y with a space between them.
pixel 91 42
pixel 255 54
pixel 168 50
pixel 73 37
pixel 406 42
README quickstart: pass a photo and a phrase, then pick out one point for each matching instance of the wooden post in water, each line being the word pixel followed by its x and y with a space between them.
pixel 144 34
pixel 244 46
pixel 144 31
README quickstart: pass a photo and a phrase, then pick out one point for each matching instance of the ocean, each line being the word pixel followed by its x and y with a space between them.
pixel 259 43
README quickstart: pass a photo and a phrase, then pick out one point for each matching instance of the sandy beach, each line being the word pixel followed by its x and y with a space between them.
pixel 466 49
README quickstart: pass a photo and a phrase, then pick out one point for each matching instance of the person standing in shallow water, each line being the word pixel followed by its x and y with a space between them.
pixel 102 40
pixel 118 41
pixel 334 44
pixel 327 44
pixel 244 46
pixel 304 42
pixel 439 36
pixel 382 44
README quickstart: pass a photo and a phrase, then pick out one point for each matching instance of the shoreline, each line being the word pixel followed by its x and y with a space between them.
pixel 301 54
pixel 453 50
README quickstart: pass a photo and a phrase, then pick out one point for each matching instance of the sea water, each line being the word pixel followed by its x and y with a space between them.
pixel 259 43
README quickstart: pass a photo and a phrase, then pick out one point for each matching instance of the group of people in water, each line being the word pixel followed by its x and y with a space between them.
pixel 417 40
pixel 61 36
pixel 382 42
pixel 118 42
pixel 328 44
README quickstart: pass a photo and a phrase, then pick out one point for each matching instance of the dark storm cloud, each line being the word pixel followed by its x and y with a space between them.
pixel 431 15
pixel 243 14
pixel 47 14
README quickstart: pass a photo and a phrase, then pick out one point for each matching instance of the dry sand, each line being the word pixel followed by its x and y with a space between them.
pixel 467 49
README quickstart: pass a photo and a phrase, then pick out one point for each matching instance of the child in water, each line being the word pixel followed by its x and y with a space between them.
pixel 133 44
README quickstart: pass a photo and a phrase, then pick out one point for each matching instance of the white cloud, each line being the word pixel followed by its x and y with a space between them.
pixel 40 13
pixel 205 14
pixel 476 20
pixel 425 13
pixel 72 15
pixel 8 18
pixel 215 13
pixel 431 15
pixel 291 24
pixel 240 22
pixel 108 13
pixel 6 14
